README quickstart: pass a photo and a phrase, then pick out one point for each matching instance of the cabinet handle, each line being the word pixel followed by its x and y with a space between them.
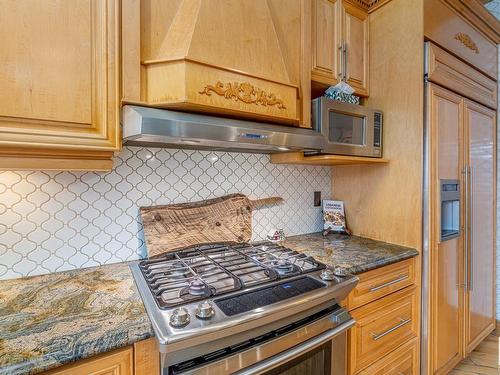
pixel 397 280
pixel 471 225
pixel 345 62
pixel 378 336
pixel 466 227
pixel 341 61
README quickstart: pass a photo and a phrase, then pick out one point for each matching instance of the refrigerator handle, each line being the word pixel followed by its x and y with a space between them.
pixel 466 226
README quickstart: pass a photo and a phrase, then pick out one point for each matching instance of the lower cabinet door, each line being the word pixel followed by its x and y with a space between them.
pixel 381 327
pixel 402 361
pixel 118 362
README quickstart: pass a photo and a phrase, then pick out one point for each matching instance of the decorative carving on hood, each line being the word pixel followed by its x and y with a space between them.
pixel 244 92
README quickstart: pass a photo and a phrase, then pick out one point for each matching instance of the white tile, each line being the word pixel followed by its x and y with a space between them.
pixel 53 221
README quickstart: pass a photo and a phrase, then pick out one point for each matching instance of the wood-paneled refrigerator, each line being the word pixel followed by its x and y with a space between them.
pixel 459 211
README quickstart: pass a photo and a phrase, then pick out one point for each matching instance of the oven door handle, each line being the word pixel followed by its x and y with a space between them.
pixel 296 351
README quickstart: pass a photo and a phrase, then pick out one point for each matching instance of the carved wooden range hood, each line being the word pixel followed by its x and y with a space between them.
pixel 235 58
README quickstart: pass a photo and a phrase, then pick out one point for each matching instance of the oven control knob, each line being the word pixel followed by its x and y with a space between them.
pixel 340 272
pixel 205 310
pixel 327 275
pixel 180 317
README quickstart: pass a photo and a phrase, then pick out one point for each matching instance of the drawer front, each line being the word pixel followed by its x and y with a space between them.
pixel 381 282
pixel 402 361
pixel 459 37
pixel 381 327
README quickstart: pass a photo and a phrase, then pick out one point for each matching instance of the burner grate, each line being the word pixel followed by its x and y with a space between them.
pixel 200 272
pixel 186 276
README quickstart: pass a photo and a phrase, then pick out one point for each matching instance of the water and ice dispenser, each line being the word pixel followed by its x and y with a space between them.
pixel 450 209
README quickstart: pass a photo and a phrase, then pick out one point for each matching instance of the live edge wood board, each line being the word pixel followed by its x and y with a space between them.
pixel 225 219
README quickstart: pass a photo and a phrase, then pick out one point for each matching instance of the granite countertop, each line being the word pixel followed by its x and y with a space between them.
pixel 354 254
pixel 50 320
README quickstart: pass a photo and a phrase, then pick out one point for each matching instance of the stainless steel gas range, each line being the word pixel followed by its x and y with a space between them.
pixel 245 309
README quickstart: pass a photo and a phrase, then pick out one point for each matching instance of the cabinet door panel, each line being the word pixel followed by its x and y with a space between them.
pixel 326 30
pixel 480 313
pixel 445 116
pixel 402 361
pixel 59 88
pixel 118 362
pixel 355 32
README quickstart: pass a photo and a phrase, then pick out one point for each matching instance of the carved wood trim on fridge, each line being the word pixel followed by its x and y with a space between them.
pixel 463 39
pixel 446 70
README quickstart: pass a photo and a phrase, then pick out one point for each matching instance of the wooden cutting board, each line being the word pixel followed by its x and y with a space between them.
pixel 225 219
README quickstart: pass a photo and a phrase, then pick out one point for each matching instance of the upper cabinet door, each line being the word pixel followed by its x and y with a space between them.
pixel 355 35
pixel 59 86
pixel 326 47
pixel 340 45
pixel 480 123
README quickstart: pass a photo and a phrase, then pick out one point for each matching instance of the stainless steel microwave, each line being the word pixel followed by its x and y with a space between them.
pixel 349 129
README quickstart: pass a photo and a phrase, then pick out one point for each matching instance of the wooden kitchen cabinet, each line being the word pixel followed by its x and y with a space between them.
pixel 326 52
pixel 118 362
pixel 402 361
pixel 59 86
pixel 386 307
pixel 147 357
pixel 340 37
pixel 381 327
pixel 380 282
pixel 355 35
pixel 142 358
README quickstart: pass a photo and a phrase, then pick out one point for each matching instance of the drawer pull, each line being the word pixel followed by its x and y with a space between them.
pixel 378 287
pixel 378 336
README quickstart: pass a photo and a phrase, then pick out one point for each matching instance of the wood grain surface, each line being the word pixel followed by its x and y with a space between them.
pixel 225 219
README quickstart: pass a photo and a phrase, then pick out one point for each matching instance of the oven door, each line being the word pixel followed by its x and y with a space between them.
pixel 314 348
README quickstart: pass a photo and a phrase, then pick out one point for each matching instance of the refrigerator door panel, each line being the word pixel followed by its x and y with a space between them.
pixel 480 123
pixel 445 255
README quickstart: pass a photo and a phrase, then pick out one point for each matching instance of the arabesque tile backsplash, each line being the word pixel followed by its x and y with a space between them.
pixel 55 221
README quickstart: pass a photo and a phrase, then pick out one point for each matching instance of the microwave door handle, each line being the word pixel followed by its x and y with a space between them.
pixel 296 351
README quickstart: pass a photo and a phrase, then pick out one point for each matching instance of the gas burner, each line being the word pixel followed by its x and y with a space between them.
pixel 177 269
pixel 197 288
pixel 282 266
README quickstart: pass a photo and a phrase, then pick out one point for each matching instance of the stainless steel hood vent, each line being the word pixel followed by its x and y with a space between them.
pixel 144 126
